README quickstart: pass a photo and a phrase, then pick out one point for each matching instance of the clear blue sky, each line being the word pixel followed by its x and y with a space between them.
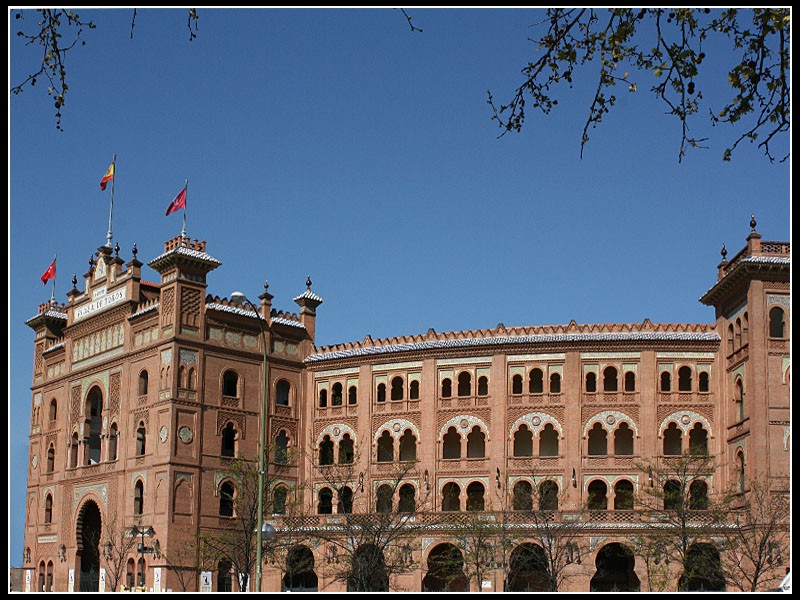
pixel 342 145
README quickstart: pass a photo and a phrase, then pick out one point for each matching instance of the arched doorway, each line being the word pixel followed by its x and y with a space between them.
pixel 445 570
pixel 615 572
pixel 703 570
pixel 87 538
pixel 300 575
pixel 368 570
pixel 528 570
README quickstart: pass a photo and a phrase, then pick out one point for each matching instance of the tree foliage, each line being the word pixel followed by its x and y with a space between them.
pixel 667 46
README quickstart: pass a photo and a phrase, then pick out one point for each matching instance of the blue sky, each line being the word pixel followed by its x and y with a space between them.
pixel 340 144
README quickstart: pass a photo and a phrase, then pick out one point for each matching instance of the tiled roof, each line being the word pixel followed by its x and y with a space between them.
pixel 290 322
pixel 188 253
pixel 308 295
pixel 50 313
pixel 145 310
pixel 235 310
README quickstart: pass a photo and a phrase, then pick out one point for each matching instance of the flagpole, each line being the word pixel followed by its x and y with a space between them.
pixel 53 293
pixel 110 235
pixel 185 200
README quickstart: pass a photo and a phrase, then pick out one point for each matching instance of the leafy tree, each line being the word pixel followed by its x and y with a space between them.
pixel 668 47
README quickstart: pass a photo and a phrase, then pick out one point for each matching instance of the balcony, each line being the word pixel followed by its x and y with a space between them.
pixel 535 399
pixel 464 401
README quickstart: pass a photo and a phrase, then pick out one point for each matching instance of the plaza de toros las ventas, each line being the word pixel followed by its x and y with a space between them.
pixel 144 393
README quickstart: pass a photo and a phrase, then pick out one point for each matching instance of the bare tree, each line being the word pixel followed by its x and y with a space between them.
pixel 184 560
pixel 117 548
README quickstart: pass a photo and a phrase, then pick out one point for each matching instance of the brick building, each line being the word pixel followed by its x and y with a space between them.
pixel 143 392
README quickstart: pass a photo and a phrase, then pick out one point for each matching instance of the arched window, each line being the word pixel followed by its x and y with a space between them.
pixel 447 387
pixel 740 469
pixel 523 441
pixel 476 443
pixel 483 386
pixel 673 440
pixel 731 337
pixel 413 390
pixel 673 495
pixel 347 453
pixel 385 447
pixel 51 459
pixel 745 329
pixel 143 379
pixel 703 382
pixel 345 501
pixel 49 580
pixel 408 501
pixel 192 382
pixel 536 381
pixel 698 440
pixel 522 496
pixel 408 446
pixel 591 383
pixel 451 444
pixel 776 322
pixel 138 497
pixel 352 395
pixel 141 570
pixel 113 441
pixel 516 384
pixel 623 495
pixel 548 495
pixel 475 493
pixel 666 381
pixel 73 451
pixel 40 587
pixel 610 380
pixel 598 441
pixel 623 440
pixel 737 333
pixel 53 409
pixel 48 509
pixel 383 502
pixel 381 392
pixel 548 441
pixel 323 398
pixel 698 495
pixel 130 574
pixel 684 379
pixel 451 497
pixel 141 439
pixel 282 389
pixel 282 448
pixel 630 381
pixel 397 388
pixel 464 384
pixel 279 496
pixel 326 451
pixel 226 494
pixel 94 418
pixel 598 499
pixel 228 448
pixel 325 501
pixel 224 576
pixel 555 383
pixel 336 395
pixel 739 396
pixel 230 384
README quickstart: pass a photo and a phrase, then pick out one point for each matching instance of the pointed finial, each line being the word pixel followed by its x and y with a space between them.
pixel 116 250
pixel 724 252
pixel 135 250
pixel 308 282
pixel 266 286
pixel 91 261
pixel 74 281
pixel 753 223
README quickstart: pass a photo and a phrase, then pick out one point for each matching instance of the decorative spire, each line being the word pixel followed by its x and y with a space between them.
pixel 753 223
pixel 724 252
pixel 116 250
pixel 74 281
pixel 308 282
pixel 135 250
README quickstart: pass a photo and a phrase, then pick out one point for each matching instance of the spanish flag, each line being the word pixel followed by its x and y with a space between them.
pixel 107 177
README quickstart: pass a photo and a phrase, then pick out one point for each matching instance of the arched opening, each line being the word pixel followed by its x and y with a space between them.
pixel 464 384
pixel 130 574
pixel 325 501
pixel 73 451
pixel 698 440
pixel 51 459
pixel 141 573
pixel 476 443
pixel 138 498
pixel 48 509
pixel 623 440
pixel 451 497
pixel 673 495
pixel 528 570
pixel 368 570
pixel 408 446
pixel 523 496
pixel 381 392
pixel 591 383
pixel 740 470
pixel 48 585
pixel 94 418
pixel 337 397
pixel 738 396
pixel 413 390
pixel 684 379
pixel 548 495
pixel 445 570
pixel 226 493
pixel 113 442
pixel 384 498
pixel 610 383
pixel 598 499
pixel 300 575
pixel 397 388
pixel 536 381
pixel 347 452
pixel 666 381
pixel 598 441
pixel 282 448
pixel 776 322
pixel 623 495
pixel 475 493
pixel 141 439
pixel 703 572
pixel 451 444
pixel 282 389
pixel 483 386
pixel 548 441
pixel 326 451
pixel 703 382
pixel 53 409
pixel 673 440
pixel 87 534
pixel 323 398
pixel 279 496
pixel 345 501
pixel 230 384
pixel 630 381
pixel 523 441
pixel 447 388
pixel 555 383
pixel 352 395
pixel 224 576
pixel 408 499
pixel 698 495
pixel 385 447
pixel 143 383
pixel 615 570
pixel 516 384
pixel 228 445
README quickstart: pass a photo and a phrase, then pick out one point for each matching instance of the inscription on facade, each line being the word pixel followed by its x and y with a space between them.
pixel 101 303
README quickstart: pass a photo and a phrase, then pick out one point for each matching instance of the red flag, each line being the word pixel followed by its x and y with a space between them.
pixel 50 273
pixel 178 202
pixel 107 177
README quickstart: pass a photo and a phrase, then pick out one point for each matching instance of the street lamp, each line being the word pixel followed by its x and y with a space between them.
pixel 240 298
pixel 149 532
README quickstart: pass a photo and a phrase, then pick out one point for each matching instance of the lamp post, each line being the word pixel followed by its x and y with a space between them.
pixel 240 298
pixel 149 532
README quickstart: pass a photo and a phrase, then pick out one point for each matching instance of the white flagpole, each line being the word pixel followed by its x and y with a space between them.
pixel 185 200
pixel 110 235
